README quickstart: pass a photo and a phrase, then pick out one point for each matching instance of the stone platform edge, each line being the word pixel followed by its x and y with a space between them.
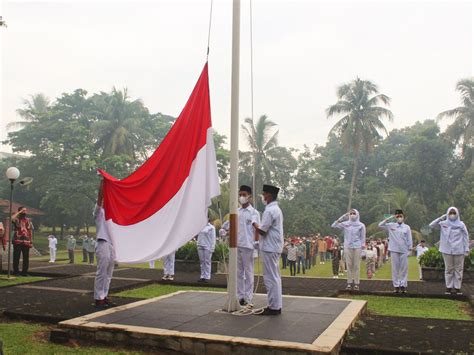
pixel 329 342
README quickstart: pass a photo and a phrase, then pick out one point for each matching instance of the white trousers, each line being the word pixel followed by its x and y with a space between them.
pixel 168 264
pixel 205 256
pixel 272 279
pixel 453 269
pixel 105 253
pixel 52 254
pixel 245 262
pixel 151 263
pixel 399 269
pixel 352 257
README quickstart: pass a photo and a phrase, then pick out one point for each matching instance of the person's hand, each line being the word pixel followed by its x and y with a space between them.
pixel 443 217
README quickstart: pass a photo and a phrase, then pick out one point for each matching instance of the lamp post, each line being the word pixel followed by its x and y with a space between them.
pixel 12 174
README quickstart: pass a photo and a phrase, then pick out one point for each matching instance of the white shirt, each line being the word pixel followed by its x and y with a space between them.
pixel 453 240
pixel 101 227
pixel 420 250
pixel 207 238
pixel 52 242
pixel 246 231
pixel 400 239
pixel 272 224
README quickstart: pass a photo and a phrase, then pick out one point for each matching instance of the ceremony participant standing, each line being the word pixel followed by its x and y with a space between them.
pixel 284 255
pixel 300 258
pixel 168 267
pixel 91 250
pixel 52 245
pixel 271 245
pixel 322 249
pixel 22 240
pixel 85 247
pixel 454 245
pixel 399 245
pixel 206 242
pixel 105 253
pixel 336 258
pixel 247 240
pixel 292 254
pixel 354 241
pixel 420 250
pixel 71 245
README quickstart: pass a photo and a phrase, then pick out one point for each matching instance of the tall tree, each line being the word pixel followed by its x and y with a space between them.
pixel 34 108
pixel 361 125
pixel 462 129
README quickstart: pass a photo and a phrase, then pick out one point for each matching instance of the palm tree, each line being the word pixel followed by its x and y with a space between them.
pixel 462 129
pixel 262 139
pixel 361 124
pixel 119 123
pixel 35 107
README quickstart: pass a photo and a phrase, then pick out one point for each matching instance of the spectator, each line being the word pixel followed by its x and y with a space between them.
pixel 328 240
pixel 52 244
pixel 336 258
pixel 381 247
pixel 85 248
pixel 301 256
pixel 91 250
pixel 71 245
pixel 342 263
pixel 370 260
pixel 292 254
pixel 308 253
pixel 314 251
pixel 284 254
pixel 22 240
pixel 420 250
pixel 322 248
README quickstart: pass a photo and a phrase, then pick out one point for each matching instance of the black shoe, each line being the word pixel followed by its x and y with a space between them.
pixel 403 289
pixel 457 292
pixel 101 304
pixel 201 280
pixel 242 302
pixel 448 291
pixel 109 302
pixel 270 312
pixel 15 273
pixel 396 290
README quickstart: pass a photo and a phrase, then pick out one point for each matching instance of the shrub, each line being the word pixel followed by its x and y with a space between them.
pixel 189 252
pixel 434 258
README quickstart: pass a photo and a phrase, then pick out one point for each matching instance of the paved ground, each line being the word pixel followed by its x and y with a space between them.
pixel 69 295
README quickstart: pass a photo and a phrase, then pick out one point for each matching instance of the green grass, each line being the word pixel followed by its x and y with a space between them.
pixel 416 307
pixel 27 338
pixel 151 291
pixel 16 280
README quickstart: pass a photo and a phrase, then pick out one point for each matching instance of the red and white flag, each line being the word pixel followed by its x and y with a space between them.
pixel 163 204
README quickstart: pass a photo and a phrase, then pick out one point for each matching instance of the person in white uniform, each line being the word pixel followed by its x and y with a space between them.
pixel 105 254
pixel 454 245
pixel 53 245
pixel 206 242
pixel 399 245
pixel 354 242
pixel 247 240
pixel 168 267
pixel 420 250
pixel 271 246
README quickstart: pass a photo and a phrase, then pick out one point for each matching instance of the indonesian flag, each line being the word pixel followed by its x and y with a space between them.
pixel 163 204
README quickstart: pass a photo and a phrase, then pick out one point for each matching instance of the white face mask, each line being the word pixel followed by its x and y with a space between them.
pixel 453 217
pixel 353 217
pixel 263 201
pixel 243 200
pixel 400 220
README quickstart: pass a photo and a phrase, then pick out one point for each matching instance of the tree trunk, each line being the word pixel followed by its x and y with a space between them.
pixel 353 179
pixel 54 230
pixel 62 231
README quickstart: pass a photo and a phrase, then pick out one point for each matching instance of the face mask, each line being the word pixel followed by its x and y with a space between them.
pixel 243 200
pixel 264 201
pixel 400 220
pixel 353 217
pixel 22 215
pixel 453 217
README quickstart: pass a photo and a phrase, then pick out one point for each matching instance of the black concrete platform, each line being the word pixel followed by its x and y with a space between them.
pixel 192 322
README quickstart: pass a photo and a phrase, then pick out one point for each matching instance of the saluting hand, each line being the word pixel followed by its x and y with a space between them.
pixel 443 217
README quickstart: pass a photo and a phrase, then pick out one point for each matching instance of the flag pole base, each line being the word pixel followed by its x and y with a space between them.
pixel 231 304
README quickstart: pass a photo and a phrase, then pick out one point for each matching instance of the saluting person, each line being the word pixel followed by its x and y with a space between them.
pixel 271 246
pixel 247 241
pixel 206 243
pixel 22 240
pixel 399 245
pixel 454 245
pixel 354 242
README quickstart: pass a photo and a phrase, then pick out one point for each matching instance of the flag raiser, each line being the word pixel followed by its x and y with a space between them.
pixel 163 204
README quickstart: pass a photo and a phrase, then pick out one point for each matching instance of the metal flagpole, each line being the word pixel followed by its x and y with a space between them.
pixel 232 303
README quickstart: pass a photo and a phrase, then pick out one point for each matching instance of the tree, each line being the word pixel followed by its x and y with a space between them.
pixel 359 128
pixel 462 129
pixel 34 108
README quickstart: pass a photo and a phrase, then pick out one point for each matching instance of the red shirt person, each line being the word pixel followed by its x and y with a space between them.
pixel 22 240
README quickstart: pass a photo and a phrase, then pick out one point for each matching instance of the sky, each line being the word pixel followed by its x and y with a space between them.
pixel 415 51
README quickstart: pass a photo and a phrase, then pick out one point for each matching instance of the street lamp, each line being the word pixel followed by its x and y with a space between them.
pixel 12 174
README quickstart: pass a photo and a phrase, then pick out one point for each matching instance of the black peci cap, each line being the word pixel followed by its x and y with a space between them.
pixel 246 189
pixel 271 189
pixel 399 212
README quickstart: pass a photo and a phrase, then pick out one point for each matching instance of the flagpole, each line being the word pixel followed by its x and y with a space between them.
pixel 232 303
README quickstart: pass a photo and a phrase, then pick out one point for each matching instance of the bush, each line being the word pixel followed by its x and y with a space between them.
pixel 189 252
pixel 434 258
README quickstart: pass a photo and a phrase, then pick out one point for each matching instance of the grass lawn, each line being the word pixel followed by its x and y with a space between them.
pixel 28 338
pixel 416 307
pixel 15 280
pixel 156 290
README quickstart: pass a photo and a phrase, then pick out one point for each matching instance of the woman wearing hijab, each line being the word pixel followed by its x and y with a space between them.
pixel 454 245
pixel 354 241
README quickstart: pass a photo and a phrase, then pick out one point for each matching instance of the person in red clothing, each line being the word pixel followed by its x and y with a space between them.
pixel 329 244
pixel 22 240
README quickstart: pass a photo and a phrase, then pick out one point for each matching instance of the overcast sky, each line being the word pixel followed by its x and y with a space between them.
pixel 414 51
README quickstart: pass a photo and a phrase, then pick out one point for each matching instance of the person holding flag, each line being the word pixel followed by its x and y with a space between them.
pixel 271 246
pixel 247 241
